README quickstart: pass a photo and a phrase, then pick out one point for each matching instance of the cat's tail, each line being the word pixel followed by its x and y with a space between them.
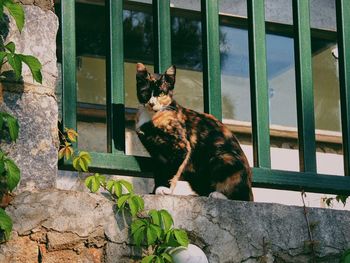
pixel 182 167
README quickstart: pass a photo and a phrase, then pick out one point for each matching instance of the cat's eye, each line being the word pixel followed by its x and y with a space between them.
pixel 161 94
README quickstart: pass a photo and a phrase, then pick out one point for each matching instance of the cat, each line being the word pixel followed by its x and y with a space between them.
pixel 188 145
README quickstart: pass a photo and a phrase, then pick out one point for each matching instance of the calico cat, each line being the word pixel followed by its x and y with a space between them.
pixel 188 145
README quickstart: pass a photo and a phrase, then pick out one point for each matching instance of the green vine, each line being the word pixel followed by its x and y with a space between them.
pixel 153 230
pixel 9 128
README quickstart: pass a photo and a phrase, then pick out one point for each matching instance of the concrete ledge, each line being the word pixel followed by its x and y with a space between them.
pixel 69 226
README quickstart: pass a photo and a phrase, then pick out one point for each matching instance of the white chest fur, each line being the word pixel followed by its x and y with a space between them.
pixel 143 116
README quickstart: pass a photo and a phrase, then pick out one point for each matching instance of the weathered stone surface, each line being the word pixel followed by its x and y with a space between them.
pixel 34 104
pixel 44 4
pixel 35 151
pixel 19 250
pixel 82 225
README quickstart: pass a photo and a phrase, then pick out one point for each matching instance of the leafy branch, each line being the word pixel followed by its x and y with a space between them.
pixel 8 53
pixel 9 172
pixel 9 128
pixel 153 231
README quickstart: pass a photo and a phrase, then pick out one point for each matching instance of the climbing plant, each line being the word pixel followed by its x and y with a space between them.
pixel 9 127
pixel 152 230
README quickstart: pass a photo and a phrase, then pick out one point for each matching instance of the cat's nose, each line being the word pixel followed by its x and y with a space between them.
pixel 151 104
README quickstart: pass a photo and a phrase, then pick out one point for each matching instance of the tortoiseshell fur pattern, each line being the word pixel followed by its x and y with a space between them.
pixel 188 145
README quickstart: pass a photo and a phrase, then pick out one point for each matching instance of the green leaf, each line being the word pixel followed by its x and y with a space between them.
pixel 127 185
pixel 167 220
pixel 5 223
pixel 1 10
pixel 122 200
pixel 34 65
pixel 151 236
pixel 133 205
pixel 118 189
pixel 155 215
pixel 17 12
pixel 93 183
pixel 139 236
pixel 11 47
pixel 148 259
pixel 167 257
pixel 82 162
pixel 345 257
pixel 16 63
pixel 2 166
pixel 13 126
pixel 1 121
pixel 181 237
pixel 2 56
pixel 110 186
pixel 136 224
pixel 13 174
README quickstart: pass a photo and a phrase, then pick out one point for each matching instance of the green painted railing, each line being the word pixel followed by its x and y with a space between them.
pixel 117 161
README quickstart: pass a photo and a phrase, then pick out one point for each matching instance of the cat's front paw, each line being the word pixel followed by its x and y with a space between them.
pixel 162 190
pixel 217 195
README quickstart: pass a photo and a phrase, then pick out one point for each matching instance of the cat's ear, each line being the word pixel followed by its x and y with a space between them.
pixel 141 71
pixel 142 84
pixel 170 74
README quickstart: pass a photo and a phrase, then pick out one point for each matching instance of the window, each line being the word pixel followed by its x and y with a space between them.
pixel 186 55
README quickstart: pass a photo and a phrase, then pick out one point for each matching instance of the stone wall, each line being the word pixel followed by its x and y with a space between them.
pixel 68 226
pixel 32 103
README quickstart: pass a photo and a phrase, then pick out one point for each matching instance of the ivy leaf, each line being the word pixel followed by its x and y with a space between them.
pixel 118 189
pixel 155 216
pixel 13 174
pixel 93 183
pixel 139 235
pixel 166 219
pixel 181 237
pixel 133 205
pixel 82 162
pixel 2 56
pixel 13 126
pixel 1 120
pixel 122 200
pixel 66 151
pixel 34 65
pixel 16 63
pixel 127 185
pixel 151 235
pixel 136 224
pixel 71 134
pixel 1 10
pixel 11 47
pixel 345 257
pixel 5 223
pixel 148 259
pixel 2 166
pixel 167 257
pixel 17 12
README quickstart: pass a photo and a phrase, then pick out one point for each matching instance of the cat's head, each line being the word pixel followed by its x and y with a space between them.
pixel 155 90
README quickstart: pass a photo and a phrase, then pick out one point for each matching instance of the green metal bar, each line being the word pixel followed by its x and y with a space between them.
pixel 298 181
pixel 69 91
pixel 304 86
pixel 115 77
pixel 118 163
pixel 211 58
pixel 258 83
pixel 343 29
pixel 162 35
